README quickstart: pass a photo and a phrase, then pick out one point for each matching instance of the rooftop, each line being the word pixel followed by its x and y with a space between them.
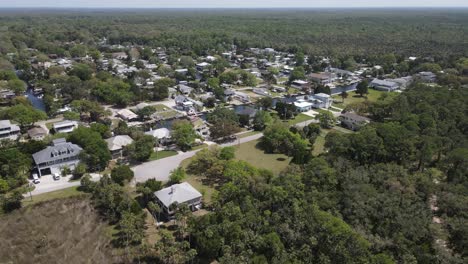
pixel 177 193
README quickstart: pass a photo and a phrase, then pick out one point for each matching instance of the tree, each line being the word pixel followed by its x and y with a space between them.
pixel 79 171
pixel 221 129
pixel 177 175
pixel 122 174
pixel 131 229
pixel 145 112
pixel 343 95
pixel 183 134
pixel 161 88
pixel 17 86
pixel 265 102
pixel 227 153
pixel 141 149
pixel 285 111
pixel 95 153
pixel 362 88
pixel 297 74
pixel 326 119
pixel 25 115
pixel 155 210
pixel 261 120
pixel 82 71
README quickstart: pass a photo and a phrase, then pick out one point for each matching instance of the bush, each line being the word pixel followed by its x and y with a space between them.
pixel 122 174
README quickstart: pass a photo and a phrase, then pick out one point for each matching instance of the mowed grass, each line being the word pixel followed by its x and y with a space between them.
pixel 353 97
pixel 197 182
pixel 248 134
pixel 60 194
pixel 251 153
pixel 162 154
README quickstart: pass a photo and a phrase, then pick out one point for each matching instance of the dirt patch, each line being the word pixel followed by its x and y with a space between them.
pixel 59 231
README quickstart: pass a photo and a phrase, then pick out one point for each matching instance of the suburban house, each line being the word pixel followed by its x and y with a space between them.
pixel 200 127
pixel 243 97
pixel 37 133
pixel 250 112
pixel 162 134
pixel 127 115
pixel 384 85
pixel 66 126
pixel 321 78
pixel 8 130
pixel 182 193
pixel 322 100
pixel 117 143
pixel 59 155
pixel 261 91
pixel 184 89
pixel 228 94
pixel 303 105
pixel 202 66
pixel 353 121
pixel 300 84
pixel 427 76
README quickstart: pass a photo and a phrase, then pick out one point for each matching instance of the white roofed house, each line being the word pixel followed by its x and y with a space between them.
pixel 116 145
pixel 127 115
pixel 303 105
pixel 8 130
pixel 182 193
pixel 57 156
pixel 162 134
pixel 322 100
pixel 66 126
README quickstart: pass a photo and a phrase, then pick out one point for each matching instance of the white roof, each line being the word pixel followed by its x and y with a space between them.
pixel 117 142
pixel 323 95
pixel 203 64
pixel 159 133
pixel 302 104
pixel 177 193
pixel 127 114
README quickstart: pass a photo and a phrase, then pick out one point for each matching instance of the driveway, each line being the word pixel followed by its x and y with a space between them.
pixel 161 169
pixel 48 184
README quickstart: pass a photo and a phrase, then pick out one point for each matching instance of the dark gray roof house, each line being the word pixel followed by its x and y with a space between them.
pixel 57 156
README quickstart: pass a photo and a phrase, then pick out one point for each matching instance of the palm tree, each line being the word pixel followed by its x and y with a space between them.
pixel 344 95
pixel 154 209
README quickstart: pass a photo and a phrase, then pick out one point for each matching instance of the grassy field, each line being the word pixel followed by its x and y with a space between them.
pixel 60 194
pixel 162 154
pixel 197 182
pixel 298 119
pixel 356 98
pixel 248 134
pixel 250 152
pixel 60 231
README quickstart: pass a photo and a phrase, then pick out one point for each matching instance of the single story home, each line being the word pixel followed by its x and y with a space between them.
pixel 162 134
pixel 353 121
pixel 66 126
pixel 182 193
pixel 9 130
pixel 303 105
pixel 57 156
pixel 127 115
pixel 300 84
pixel 117 143
pixel 321 78
pixel 384 85
pixel 37 133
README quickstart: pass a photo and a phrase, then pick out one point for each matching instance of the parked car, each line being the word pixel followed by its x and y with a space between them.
pixel 56 176
pixel 36 179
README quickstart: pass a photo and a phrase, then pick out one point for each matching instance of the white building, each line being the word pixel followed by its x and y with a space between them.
pixel 66 126
pixel 177 194
pixel 8 130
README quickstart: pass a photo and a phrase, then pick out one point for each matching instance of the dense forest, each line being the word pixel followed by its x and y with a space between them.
pixel 317 32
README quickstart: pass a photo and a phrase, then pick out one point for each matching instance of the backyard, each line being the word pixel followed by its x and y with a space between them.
pixel 353 97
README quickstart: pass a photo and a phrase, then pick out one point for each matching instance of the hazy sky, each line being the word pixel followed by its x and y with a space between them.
pixel 232 3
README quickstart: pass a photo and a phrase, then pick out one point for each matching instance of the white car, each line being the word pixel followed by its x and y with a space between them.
pixel 36 179
pixel 56 176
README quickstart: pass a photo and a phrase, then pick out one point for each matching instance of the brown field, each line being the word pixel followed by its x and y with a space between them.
pixel 58 231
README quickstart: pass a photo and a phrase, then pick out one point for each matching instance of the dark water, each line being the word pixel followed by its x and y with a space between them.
pixel 37 102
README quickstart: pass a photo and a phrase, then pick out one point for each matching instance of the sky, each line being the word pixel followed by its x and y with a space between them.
pixel 230 3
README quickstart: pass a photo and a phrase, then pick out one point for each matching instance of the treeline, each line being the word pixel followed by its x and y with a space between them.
pixel 356 32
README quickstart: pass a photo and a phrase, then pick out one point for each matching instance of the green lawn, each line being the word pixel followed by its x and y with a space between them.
pixel 250 153
pixel 299 119
pixel 247 134
pixel 162 154
pixel 356 98
pixel 60 194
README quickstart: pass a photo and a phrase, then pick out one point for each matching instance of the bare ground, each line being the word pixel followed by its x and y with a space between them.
pixel 60 231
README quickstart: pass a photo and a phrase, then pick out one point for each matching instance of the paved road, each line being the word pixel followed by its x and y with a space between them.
pixel 161 169
pixel 48 184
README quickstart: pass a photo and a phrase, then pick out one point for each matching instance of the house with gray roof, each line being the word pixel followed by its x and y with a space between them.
pixel 57 156
pixel 182 193
pixel 8 130
pixel 383 85
pixel 353 121
pixel 117 143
